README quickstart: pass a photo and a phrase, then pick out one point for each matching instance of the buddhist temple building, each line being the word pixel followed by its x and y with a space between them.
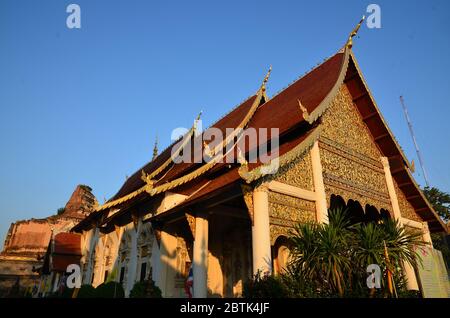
pixel 231 220
pixel 27 241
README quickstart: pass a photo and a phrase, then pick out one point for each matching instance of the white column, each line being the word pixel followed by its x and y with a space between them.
pixel 116 236
pixel 426 234
pixel 391 189
pixel 262 256
pixel 168 264
pixel 98 273
pixel 132 264
pixel 91 239
pixel 411 283
pixel 200 257
pixel 319 187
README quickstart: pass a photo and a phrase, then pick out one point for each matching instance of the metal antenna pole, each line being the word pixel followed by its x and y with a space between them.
pixel 422 166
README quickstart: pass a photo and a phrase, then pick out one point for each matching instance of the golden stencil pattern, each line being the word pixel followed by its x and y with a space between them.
pixel 342 123
pixel 286 211
pixel 406 209
pixel 350 159
pixel 277 230
pixel 297 173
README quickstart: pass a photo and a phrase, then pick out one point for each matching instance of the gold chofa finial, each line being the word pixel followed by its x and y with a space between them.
pixel 199 115
pixel 197 120
pixel 266 78
pixel 304 110
pixel 354 32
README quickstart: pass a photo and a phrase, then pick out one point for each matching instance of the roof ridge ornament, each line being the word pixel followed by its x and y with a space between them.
pixel 207 150
pixel 197 119
pixel 266 78
pixel 155 149
pixel 240 157
pixel 354 32
pixel 148 178
pixel 304 110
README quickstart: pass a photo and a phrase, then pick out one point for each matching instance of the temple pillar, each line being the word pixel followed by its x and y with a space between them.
pixel 262 256
pixel 97 270
pixel 91 239
pixel 132 264
pixel 168 259
pixel 426 234
pixel 200 257
pixel 319 187
pixel 116 238
pixel 410 274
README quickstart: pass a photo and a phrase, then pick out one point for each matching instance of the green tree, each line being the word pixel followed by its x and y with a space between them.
pixel 440 201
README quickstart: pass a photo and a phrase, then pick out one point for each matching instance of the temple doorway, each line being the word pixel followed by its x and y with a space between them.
pixel 357 213
pixel 230 250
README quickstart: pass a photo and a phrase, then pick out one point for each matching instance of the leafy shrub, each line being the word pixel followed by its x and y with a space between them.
pixel 110 290
pixel 265 286
pixel 87 291
pixel 145 289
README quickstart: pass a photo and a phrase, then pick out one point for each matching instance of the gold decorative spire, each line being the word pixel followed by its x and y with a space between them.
pixel 149 178
pixel 349 43
pixel 197 120
pixel 266 78
pixel 155 148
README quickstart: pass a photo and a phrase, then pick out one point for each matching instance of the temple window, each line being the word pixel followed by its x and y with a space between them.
pixel 122 274
pixel 143 271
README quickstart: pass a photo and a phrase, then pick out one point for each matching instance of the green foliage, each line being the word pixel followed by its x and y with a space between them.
pixel 60 211
pixel 265 286
pixel 330 260
pixel 145 289
pixel 440 243
pixel 440 201
pixel 87 291
pixel 110 290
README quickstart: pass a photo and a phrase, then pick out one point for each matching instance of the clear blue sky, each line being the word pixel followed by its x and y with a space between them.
pixel 84 106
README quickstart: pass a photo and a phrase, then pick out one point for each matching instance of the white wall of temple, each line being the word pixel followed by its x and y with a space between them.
pixel 127 255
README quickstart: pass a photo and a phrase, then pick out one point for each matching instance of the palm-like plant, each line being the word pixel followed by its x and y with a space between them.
pixel 320 251
pixel 335 255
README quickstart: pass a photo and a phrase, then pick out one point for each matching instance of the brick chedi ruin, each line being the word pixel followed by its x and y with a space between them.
pixel 27 241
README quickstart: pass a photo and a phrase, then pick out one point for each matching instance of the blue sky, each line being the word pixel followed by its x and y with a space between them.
pixel 84 106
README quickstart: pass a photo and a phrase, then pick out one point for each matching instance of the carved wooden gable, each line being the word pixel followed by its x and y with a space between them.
pixel 351 160
pixel 286 211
